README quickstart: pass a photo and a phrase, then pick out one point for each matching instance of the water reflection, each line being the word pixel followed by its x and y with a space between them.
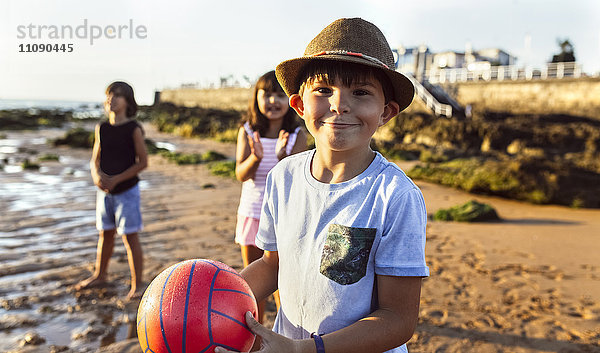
pixel 47 227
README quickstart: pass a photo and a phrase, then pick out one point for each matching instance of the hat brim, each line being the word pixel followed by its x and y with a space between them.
pixel 288 74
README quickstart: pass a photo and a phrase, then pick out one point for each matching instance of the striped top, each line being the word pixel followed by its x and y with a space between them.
pixel 253 189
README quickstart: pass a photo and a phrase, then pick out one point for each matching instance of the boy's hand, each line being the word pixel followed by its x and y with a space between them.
pixel 106 182
pixel 256 147
pixel 109 183
pixel 100 180
pixel 282 141
pixel 271 341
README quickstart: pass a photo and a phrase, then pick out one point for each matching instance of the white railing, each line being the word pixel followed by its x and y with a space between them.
pixel 429 100
pixel 501 73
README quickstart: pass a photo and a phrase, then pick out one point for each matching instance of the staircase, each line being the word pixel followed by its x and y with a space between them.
pixel 436 98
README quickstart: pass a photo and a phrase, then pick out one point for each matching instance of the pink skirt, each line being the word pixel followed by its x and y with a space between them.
pixel 245 230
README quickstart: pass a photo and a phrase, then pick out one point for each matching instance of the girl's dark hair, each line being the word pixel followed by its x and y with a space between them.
pixel 257 120
pixel 123 89
pixel 347 72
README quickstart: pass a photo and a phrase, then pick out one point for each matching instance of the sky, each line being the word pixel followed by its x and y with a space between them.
pixel 197 41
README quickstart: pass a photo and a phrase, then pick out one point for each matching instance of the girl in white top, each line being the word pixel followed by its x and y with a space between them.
pixel 269 133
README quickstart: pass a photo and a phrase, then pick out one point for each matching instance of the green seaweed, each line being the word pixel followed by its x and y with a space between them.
pixel 222 168
pixel 192 158
pixel 28 165
pixel 76 137
pixel 471 211
pixel 48 157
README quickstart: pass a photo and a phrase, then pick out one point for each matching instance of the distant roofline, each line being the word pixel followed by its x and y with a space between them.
pixel 409 50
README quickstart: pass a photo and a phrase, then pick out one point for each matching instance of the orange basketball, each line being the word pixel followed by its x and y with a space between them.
pixel 195 306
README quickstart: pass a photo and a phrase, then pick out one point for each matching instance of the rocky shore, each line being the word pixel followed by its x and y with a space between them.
pixel 536 158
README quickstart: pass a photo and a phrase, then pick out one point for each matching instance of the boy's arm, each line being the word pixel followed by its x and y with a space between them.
pixel 388 327
pixel 391 325
pixel 95 161
pixel 140 164
pixel 261 275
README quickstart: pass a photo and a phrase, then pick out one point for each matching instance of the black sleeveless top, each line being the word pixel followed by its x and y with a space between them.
pixel 117 152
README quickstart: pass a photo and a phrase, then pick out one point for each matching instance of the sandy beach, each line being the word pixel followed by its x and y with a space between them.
pixel 530 283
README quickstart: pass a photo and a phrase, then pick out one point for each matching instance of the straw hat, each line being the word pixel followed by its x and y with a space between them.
pixel 350 40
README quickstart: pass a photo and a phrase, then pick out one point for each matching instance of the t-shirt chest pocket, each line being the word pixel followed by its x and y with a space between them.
pixel 346 253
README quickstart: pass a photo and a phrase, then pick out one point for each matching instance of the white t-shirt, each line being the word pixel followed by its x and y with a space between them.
pixel 332 239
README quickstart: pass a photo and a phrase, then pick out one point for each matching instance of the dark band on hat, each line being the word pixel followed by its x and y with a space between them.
pixel 345 52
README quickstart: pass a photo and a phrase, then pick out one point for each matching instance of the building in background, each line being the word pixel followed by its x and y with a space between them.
pixel 414 61
pixel 496 57
pixel 421 62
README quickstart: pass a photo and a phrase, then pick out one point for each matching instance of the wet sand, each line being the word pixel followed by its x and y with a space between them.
pixel 530 283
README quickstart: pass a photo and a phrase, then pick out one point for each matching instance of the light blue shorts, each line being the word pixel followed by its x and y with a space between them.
pixel 120 211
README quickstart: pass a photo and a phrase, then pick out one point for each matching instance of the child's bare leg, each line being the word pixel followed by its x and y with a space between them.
pixel 136 263
pixel 104 250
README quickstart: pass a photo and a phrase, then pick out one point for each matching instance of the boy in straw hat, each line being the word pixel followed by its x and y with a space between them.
pixel 342 228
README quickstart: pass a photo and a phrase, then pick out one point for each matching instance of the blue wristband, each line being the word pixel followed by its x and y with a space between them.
pixel 318 343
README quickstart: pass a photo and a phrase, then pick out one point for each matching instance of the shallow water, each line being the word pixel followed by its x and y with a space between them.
pixel 47 229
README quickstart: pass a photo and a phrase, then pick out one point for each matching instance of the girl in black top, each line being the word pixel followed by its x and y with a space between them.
pixel 118 156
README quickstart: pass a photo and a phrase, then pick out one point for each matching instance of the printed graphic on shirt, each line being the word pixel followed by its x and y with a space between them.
pixel 346 253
